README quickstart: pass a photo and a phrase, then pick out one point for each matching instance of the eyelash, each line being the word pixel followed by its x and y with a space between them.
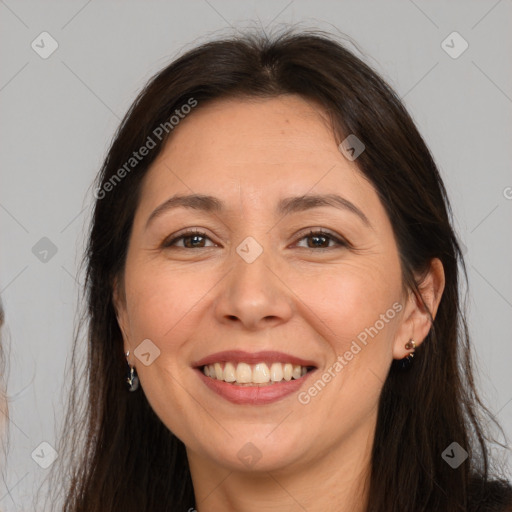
pixel 339 241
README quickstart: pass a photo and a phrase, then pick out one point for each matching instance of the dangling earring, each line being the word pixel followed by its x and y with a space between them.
pixel 132 380
pixel 406 362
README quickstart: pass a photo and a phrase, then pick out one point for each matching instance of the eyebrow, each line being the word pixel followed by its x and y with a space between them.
pixel 285 206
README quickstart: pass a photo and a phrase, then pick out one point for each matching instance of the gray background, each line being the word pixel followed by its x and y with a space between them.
pixel 58 115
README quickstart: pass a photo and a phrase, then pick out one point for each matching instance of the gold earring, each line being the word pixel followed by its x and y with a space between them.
pixel 406 362
pixel 411 345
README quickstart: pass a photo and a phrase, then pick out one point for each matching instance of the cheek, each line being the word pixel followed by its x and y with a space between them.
pixel 356 310
pixel 164 307
pixel 350 297
pixel 161 298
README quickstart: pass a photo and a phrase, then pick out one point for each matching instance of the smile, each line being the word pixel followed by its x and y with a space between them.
pixel 259 374
pixel 256 378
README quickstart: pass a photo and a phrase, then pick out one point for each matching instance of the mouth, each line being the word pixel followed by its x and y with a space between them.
pixel 260 378
pixel 259 374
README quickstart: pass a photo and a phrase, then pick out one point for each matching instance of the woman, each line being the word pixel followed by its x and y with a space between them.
pixel 272 261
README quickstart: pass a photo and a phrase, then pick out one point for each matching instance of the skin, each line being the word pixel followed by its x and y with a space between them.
pixel 295 298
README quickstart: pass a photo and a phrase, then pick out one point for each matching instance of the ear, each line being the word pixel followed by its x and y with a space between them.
pixel 119 302
pixel 416 320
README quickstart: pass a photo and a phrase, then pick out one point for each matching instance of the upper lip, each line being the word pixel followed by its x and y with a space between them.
pixel 240 356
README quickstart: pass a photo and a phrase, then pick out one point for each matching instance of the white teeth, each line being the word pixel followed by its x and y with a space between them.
pixel 260 374
pixel 229 372
pixel 243 373
pixel 276 372
pixel 219 374
pixel 246 374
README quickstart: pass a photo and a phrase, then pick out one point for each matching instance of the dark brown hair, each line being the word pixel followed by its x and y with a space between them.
pixel 122 457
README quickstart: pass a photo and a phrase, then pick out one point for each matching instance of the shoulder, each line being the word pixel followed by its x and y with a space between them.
pixel 489 496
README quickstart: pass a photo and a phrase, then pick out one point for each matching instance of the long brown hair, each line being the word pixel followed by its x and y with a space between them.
pixel 121 457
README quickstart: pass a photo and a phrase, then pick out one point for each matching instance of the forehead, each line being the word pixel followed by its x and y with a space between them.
pixel 261 149
pixel 272 131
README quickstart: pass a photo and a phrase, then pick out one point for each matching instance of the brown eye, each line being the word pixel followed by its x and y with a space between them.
pixel 321 240
pixel 191 240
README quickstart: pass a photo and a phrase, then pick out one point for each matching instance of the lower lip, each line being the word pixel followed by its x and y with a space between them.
pixel 253 395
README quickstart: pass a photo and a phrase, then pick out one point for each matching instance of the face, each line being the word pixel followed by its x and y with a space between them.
pixel 311 282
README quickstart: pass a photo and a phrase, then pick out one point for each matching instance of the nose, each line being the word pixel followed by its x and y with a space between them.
pixel 254 295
